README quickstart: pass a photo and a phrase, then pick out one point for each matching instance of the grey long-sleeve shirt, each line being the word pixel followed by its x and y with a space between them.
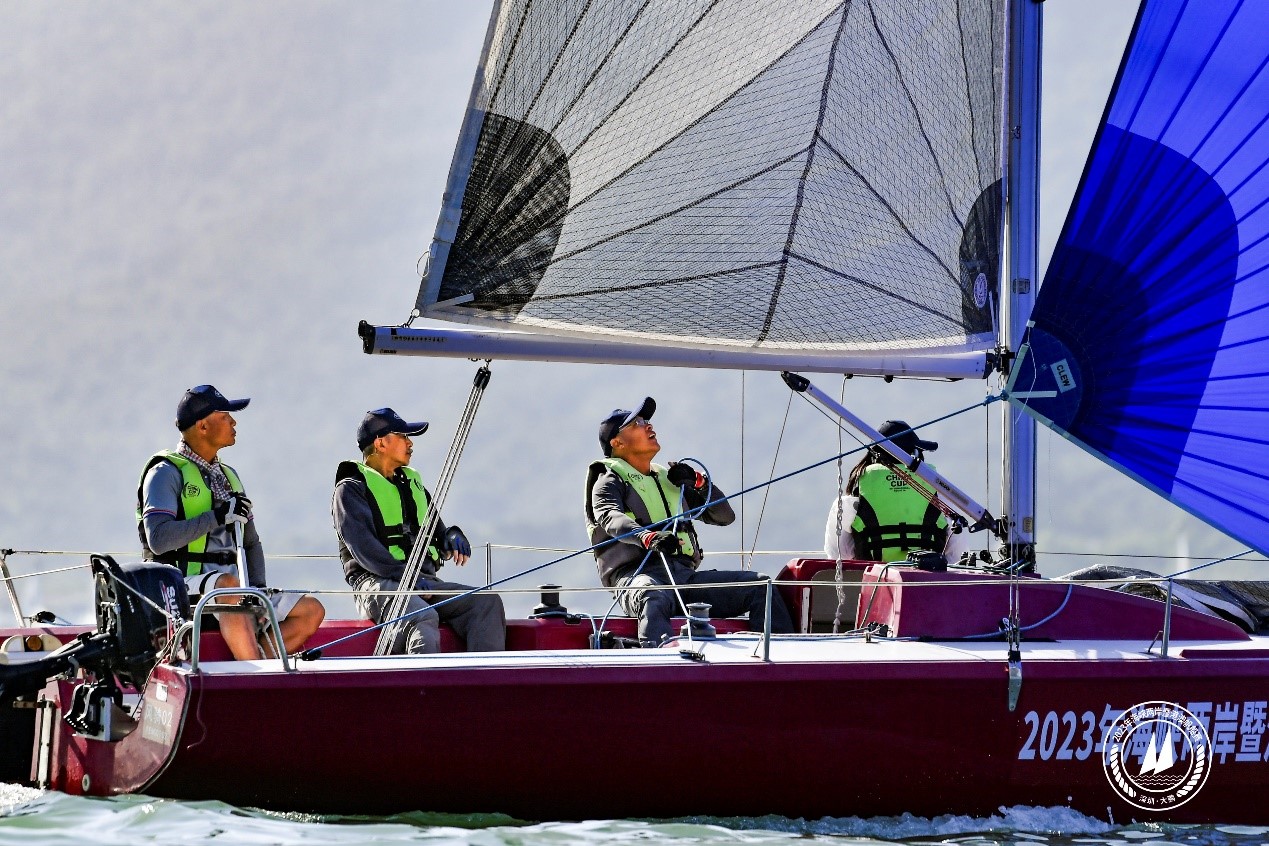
pixel 360 550
pixel 609 498
pixel 160 499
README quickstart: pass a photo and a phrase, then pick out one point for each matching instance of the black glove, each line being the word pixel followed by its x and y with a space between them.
pixel 456 542
pixel 666 542
pixel 236 509
pixel 683 475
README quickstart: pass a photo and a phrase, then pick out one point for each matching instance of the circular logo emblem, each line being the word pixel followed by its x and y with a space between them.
pixel 980 290
pixel 1157 756
pixel 192 490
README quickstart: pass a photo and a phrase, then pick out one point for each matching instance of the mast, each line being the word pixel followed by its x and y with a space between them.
pixel 1022 221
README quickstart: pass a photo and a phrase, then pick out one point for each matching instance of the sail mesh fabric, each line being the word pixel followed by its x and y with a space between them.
pixel 1152 326
pixel 811 174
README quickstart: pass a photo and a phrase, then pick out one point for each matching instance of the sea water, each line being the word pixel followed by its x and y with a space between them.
pixel 39 818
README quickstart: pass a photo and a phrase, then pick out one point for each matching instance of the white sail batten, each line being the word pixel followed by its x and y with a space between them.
pixel 529 346
pixel 626 170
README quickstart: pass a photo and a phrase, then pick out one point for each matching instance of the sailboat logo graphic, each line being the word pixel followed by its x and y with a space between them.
pixel 1157 755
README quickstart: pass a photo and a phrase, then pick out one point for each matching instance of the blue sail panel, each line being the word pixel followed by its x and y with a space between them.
pixel 1149 343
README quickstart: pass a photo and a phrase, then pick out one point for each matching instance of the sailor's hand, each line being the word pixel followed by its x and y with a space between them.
pixel 236 509
pixel 682 475
pixel 666 542
pixel 456 543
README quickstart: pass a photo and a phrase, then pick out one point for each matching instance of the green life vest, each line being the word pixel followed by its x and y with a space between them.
pixel 195 499
pixel 397 506
pixel 893 518
pixel 656 493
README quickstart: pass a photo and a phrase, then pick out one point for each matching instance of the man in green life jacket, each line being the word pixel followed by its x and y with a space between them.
pixel 380 507
pixel 626 492
pixel 187 504
pixel 880 516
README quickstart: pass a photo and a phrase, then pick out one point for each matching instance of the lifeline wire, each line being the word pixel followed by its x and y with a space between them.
pixel 315 652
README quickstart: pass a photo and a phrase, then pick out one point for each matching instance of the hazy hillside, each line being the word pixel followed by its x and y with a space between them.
pixel 218 192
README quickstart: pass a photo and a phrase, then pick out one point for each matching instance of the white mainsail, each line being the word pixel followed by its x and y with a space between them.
pixel 815 178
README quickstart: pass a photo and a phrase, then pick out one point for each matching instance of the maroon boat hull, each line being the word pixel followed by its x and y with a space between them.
pixel 806 740
pixel 830 727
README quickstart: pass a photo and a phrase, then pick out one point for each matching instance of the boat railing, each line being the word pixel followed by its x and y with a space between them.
pixel 501 588
pixel 194 628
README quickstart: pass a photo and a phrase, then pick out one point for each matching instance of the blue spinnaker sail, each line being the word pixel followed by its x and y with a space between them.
pixel 1150 336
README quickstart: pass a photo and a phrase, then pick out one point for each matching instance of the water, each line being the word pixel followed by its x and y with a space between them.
pixel 35 818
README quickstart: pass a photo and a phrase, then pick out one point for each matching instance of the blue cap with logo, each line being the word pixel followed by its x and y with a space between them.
pixel 619 417
pixel 201 401
pixel 385 421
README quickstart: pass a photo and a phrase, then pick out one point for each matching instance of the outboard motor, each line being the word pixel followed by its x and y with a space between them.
pixel 138 608
pixel 141 605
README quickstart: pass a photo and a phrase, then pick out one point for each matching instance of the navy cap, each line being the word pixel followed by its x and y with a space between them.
pixel 903 436
pixel 201 401
pixel 620 417
pixel 384 421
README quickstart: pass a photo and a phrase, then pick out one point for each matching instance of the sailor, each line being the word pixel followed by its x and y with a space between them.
pixel 881 516
pixel 188 505
pixel 380 507
pixel 625 492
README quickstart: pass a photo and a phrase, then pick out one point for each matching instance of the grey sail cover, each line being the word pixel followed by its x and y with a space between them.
pixel 795 175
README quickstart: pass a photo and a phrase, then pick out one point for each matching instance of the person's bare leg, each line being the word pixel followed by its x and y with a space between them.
pixel 238 630
pixel 298 626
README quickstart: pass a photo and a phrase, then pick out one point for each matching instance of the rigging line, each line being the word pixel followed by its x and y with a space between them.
pixel 413 569
pixel 774 459
pixel 1146 555
pixel 1212 563
pixel 744 564
pixel 315 652
pixel 806 172
pixel 916 113
pixel 839 506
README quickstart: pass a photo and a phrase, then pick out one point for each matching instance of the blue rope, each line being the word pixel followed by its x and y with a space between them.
pixel 1069 590
pixel 315 652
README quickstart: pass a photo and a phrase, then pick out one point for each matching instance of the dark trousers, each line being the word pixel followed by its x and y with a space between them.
pixel 654 608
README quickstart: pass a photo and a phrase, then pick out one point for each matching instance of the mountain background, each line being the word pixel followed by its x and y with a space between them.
pixel 218 191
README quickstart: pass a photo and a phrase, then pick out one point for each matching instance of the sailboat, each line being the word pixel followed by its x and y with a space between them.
pixel 820 186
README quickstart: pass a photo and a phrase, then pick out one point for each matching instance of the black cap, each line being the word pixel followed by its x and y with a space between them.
pixel 902 436
pixel 619 417
pixel 202 401
pixel 383 421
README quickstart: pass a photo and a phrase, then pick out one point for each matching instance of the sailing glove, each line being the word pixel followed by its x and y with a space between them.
pixel 456 542
pixel 681 475
pixel 666 542
pixel 236 509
